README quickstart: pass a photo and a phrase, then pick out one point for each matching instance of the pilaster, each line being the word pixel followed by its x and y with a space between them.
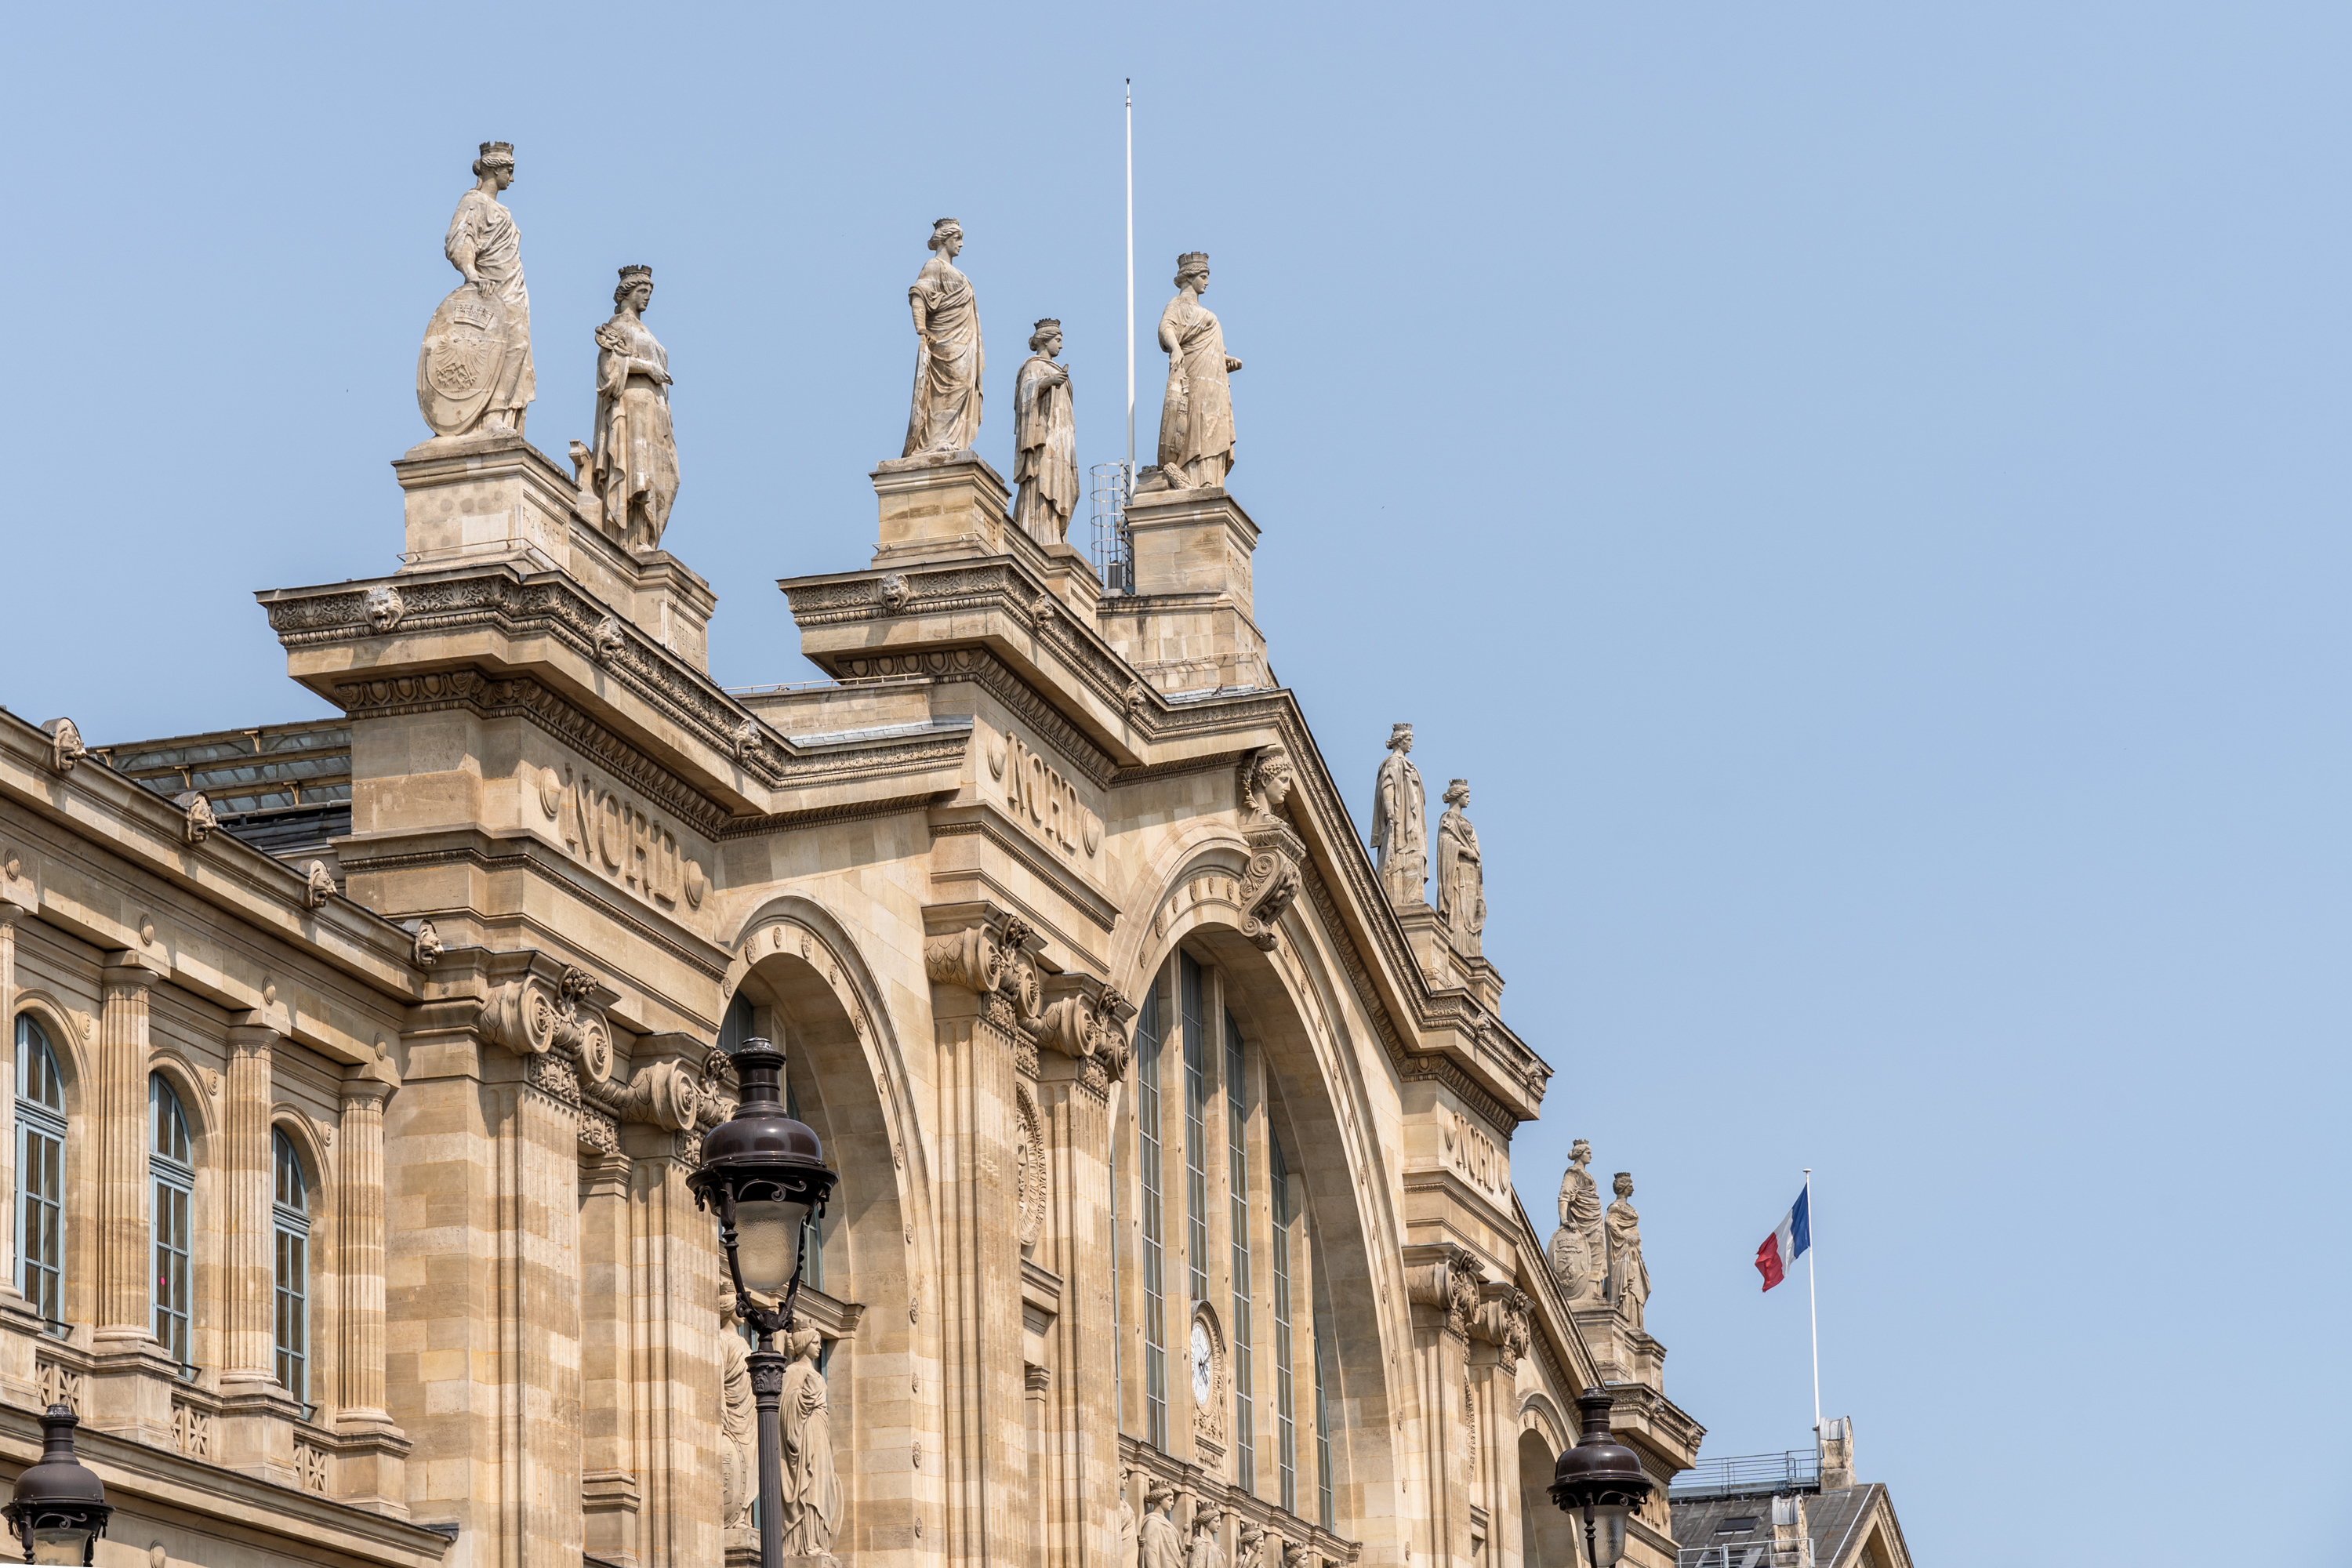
pixel 1499 1336
pixel 1443 1284
pixel 242 1160
pixel 610 1496
pixel 673 1275
pixel 131 1380
pixel 20 1324
pixel 373 1452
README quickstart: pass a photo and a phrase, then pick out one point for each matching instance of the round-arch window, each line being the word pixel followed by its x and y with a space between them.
pixel 290 1213
pixel 41 1167
pixel 170 1168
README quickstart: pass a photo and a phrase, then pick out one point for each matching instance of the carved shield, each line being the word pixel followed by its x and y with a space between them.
pixel 458 366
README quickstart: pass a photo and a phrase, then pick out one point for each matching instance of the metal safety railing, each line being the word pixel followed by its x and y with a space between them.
pixel 1750 1474
pixel 1796 1553
pixel 1114 547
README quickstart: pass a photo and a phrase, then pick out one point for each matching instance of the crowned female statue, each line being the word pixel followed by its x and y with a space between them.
pixel 1044 440
pixel 1579 1251
pixel 635 471
pixel 948 360
pixel 475 368
pixel 1196 417
pixel 1461 878
pixel 1400 823
pixel 1629 1276
pixel 1156 1543
pixel 812 1509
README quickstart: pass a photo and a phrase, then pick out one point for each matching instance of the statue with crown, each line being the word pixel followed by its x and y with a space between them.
pixel 474 369
pixel 634 474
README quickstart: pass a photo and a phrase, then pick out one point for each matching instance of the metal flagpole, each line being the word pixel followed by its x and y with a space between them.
pixel 1813 1299
pixel 1131 286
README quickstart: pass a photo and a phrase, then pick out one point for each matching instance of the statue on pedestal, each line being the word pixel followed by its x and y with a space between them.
pixel 1156 1544
pixel 1044 441
pixel 811 1509
pixel 1461 879
pixel 739 1485
pixel 1579 1250
pixel 1399 826
pixel 1205 1553
pixel 1196 417
pixel 474 367
pixel 947 359
pixel 1629 1277
pixel 635 467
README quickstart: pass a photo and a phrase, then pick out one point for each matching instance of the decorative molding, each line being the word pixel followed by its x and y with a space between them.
pixel 384 608
pixel 1029 1183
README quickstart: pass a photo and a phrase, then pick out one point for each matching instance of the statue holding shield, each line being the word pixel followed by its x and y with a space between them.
pixel 475 366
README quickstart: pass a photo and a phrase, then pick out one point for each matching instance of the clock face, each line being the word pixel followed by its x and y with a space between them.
pixel 1204 1372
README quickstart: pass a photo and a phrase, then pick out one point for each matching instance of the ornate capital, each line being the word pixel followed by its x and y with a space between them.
pixel 1503 1320
pixel 1272 882
pixel 1450 1283
pixel 969 958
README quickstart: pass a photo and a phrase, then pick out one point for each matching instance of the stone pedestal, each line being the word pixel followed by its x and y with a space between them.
pixel 1447 966
pixel 495 497
pixel 940 508
pixel 1189 625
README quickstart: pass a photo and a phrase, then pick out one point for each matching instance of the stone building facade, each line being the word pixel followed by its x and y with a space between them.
pixel 1174 1136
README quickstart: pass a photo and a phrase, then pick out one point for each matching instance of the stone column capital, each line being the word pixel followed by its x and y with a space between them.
pixel 258 1030
pixel 130 970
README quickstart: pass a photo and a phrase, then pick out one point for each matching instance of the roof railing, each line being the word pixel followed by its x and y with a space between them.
pixel 1750 1474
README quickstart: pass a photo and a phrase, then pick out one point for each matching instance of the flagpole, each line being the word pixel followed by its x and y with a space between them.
pixel 1812 1297
pixel 1130 286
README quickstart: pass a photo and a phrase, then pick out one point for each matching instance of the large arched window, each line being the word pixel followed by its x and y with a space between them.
pixel 172 1172
pixel 41 1174
pixel 290 1219
pixel 1221 1223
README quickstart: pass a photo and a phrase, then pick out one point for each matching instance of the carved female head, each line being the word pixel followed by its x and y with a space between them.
pixel 1158 1496
pixel 1457 794
pixel 1623 1185
pixel 495 163
pixel 1192 271
pixel 1048 339
pixel 636 289
pixel 1579 1153
pixel 806 1344
pixel 946 235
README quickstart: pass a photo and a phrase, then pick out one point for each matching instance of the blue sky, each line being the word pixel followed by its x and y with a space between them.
pixel 1859 490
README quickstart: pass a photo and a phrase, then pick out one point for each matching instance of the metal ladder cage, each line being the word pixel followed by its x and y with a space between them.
pixel 1113 552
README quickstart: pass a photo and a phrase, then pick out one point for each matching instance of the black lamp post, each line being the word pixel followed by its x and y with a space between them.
pixel 1599 1479
pixel 60 1509
pixel 765 1173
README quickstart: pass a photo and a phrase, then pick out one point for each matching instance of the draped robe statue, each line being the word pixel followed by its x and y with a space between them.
pixel 485 247
pixel 738 1484
pixel 1579 1248
pixel 1399 826
pixel 1044 441
pixel 1205 1551
pixel 1156 1543
pixel 945 416
pixel 1461 880
pixel 1629 1277
pixel 1123 1554
pixel 635 471
pixel 1196 417
pixel 811 1509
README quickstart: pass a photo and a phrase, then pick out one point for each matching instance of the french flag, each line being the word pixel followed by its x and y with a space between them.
pixel 1788 1241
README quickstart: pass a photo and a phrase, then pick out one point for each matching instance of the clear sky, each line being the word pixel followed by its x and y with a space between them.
pixel 1859 490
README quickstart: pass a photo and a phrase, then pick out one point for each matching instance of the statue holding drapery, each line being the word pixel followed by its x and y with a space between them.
pixel 1044 440
pixel 475 366
pixel 1579 1252
pixel 1157 1542
pixel 1196 417
pixel 1205 1551
pixel 1629 1276
pixel 1461 878
pixel 739 1485
pixel 635 471
pixel 812 1509
pixel 1400 823
pixel 947 359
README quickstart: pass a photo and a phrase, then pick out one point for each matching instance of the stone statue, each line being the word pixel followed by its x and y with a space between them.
pixel 739 1485
pixel 1629 1277
pixel 1205 1553
pixel 1044 441
pixel 1461 882
pixel 1399 826
pixel 474 367
pixel 1579 1247
pixel 811 1486
pixel 635 467
pixel 948 358
pixel 1267 778
pixel 1249 1539
pixel 1294 1555
pixel 1196 418
pixel 1123 1556
pixel 1156 1542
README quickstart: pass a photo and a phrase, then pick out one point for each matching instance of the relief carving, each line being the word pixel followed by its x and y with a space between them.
pixel 384 607
pixel 202 819
pixel 427 947
pixel 65 744
pixel 318 886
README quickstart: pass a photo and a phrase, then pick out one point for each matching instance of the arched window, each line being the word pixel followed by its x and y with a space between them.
pixel 290 1215
pixel 40 1172
pixel 1245 1254
pixel 172 1172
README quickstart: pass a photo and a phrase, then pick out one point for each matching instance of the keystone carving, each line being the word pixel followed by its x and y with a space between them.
pixel 318 886
pixel 201 817
pixel 65 744
pixel 1272 882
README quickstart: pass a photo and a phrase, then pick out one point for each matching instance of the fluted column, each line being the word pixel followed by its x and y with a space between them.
pixel 243 1161
pixel 119 1129
pixel 358 1242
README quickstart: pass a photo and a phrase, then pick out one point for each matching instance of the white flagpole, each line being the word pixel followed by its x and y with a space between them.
pixel 1129 285
pixel 1812 1297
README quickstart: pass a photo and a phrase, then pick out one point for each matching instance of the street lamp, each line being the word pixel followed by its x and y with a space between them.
pixel 1599 1479
pixel 59 1510
pixel 765 1173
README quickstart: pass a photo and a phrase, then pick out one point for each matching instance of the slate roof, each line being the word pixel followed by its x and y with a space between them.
pixel 1833 1520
